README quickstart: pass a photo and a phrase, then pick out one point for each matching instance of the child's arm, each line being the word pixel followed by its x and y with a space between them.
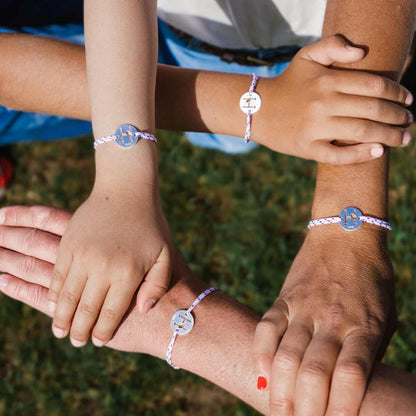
pixel 307 95
pixel 119 235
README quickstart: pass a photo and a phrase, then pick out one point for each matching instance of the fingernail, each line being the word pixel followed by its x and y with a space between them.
pixel 409 98
pixel 406 138
pixel 51 306
pixel 4 281
pixel 148 305
pixel 77 343
pixel 58 332
pixel 2 217
pixel 97 342
pixel 409 117
pixel 377 151
pixel 261 383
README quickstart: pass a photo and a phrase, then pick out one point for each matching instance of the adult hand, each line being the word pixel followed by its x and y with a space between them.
pixel 310 104
pixel 29 240
pixel 317 343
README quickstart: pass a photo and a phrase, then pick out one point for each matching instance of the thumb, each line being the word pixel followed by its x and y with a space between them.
pixel 156 282
pixel 332 49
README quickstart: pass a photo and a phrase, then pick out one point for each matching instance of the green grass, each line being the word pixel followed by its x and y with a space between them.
pixel 238 220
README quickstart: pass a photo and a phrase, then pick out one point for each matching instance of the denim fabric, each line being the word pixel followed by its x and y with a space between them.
pixel 17 126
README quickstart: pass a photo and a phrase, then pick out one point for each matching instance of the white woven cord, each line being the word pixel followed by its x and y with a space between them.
pixel 140 134
pixel 175 335
pixel 363 218
pixel 251 90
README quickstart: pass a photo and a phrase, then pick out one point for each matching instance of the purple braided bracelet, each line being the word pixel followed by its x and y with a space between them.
pixel 182 322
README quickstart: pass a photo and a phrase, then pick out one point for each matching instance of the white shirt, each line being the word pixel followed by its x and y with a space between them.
pixel 250 24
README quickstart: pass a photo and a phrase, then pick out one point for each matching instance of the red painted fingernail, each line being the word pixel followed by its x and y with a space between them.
pixel 261 383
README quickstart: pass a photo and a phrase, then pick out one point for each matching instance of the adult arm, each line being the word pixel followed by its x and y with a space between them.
pixel 29 240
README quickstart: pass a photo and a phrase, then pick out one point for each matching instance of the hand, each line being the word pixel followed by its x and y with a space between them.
pixel 114 241
pixel 309 105
pixel 316 345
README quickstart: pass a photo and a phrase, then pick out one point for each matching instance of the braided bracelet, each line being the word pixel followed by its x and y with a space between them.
pixel 182 322
pixel 350 219
pixel 125 136
pixel 250 103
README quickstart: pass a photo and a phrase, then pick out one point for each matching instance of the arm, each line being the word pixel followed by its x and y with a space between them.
pixel 295 104
pixel 224 360
pixel 343 281
pixel 99 266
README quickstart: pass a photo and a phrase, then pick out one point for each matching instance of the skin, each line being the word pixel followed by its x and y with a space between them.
pixel 317 354
pixel 99 266
pixel 314 102
pixel 363 186
pixel 29 239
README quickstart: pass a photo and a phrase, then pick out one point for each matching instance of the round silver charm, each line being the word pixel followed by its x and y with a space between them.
pixel 250 101
pixel 125 135
pixel 350 218
pixel 182 322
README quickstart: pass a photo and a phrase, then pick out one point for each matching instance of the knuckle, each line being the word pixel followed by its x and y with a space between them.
pixel 37 295
pixel 110 314
pixel 287 358
pixel 313 370
pixel 267 325
pixel 53 295
pixel 360 130
pixel 376 109
pixel 396 137
pixel 281 405
pixel 58 277
pixel 101 334
pixel 354 370
pixel 261 358
pixel 27 267
pixel 68 297
pixel 335 314
pixel 78 335
pixel 87 309
pixel 42 216
pixel 30 240
pixel 377 85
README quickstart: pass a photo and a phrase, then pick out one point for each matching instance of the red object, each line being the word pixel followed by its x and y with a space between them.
pixel 261 383
pixel 5 171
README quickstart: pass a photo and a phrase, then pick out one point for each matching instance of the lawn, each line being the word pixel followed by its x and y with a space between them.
pixel 238 221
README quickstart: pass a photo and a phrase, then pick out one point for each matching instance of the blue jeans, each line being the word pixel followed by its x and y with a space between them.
pixel 18 126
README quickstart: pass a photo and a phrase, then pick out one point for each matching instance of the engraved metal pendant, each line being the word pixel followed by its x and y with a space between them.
pixel 350 218
pixel 182 322
pixel 125 135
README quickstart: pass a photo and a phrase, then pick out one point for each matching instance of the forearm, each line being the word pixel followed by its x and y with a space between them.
pixel 385 29
pixel 45 75
pixel 219 348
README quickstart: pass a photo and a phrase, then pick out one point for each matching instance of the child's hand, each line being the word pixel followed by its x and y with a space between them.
pixel 309 105
pixel 113 242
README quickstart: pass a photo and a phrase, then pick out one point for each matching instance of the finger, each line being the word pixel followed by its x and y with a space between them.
pixel 285 368
pixel 350 376
pixel 60 272
pixel 269 332
pixel 89 306
pixel 371 85
pixel 68 301
pixel 115 306
pixel 314 379
pixel 365 131
pixel 375 109
pixel 48 219
pixel 31 294
pixel 30 241
pixel 330 50
pixel 347 155
pixel 156 282
pixel 25 267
